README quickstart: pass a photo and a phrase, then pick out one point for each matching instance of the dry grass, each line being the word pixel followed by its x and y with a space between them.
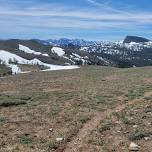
pixel 25 67
pixel 65 101
pixel 4 71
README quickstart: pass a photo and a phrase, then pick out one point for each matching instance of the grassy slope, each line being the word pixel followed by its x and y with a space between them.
pixel 4 70
pixel 25 67
pixel 65 101
pixel 12 46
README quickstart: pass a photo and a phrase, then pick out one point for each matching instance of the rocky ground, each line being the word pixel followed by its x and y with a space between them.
pixel 82 110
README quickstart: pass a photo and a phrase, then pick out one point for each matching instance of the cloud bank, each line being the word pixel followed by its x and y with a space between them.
pixel 101 16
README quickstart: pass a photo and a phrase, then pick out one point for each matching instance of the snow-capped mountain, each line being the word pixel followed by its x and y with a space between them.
pixel 132 51
pixel 65 42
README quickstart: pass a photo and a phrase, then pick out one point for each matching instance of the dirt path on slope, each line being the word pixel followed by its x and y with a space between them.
pixel 78 141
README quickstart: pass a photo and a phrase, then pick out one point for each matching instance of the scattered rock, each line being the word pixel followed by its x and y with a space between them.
pixel 149 123
pixel 51 129
pixel 131 118
pixel 126 132
pixel 147 138
pixel 59 139
pixel 134 147
pixel 135 126
pixel 103 80
pixel 118 122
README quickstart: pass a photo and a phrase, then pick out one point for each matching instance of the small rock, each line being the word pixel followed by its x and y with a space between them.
pixel 131 118
pixel 126 132
pixel 118 122
pixel 134 147
pixel 51 129
pixel 59 139
pixel 147 138
pixel 149 123
pixel 135 126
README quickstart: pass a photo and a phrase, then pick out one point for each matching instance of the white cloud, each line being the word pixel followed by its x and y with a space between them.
pixel 95 3
pixel 56 16
pixel 80 16
pixel 106 7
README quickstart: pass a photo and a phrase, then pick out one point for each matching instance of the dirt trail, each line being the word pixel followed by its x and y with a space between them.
pixel 78 141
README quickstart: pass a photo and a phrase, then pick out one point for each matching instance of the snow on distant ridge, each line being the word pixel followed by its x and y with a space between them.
pixel 28 50
pixel 59 51
pixel 6 57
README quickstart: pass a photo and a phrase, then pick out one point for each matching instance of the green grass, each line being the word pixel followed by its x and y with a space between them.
pixel 4 71
pixel 135 94
pixel 53 145
pixel 104 126
pixel 13 100
pixel 3 120
pixel 25 140
pixel 103 99
pixel 138 135
pixel 55 109
pixel 11 103
pixel 122 116
pixel 84 119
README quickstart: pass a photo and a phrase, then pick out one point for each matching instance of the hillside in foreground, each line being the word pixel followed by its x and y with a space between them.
pixel 93 108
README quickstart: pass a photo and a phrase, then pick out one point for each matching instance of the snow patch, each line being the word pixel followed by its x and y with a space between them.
pixel 45 54
pixel 102 59
pixel 29 51
pixel 7 56
pixel 59 51
pixel 84 48
pixel 15 68
pixel 76 55
pixel 69 59
pixel 57 67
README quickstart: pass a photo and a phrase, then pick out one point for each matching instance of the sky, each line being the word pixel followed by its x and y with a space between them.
pixel 101 20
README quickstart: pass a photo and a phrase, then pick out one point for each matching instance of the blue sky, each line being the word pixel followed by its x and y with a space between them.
pixel 88 19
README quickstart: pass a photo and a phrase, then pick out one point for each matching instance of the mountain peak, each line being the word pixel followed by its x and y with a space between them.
pixel 136 39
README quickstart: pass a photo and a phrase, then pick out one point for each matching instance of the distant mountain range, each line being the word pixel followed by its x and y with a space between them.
pixel 133 51
pixel 66 42
pixel 81 42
